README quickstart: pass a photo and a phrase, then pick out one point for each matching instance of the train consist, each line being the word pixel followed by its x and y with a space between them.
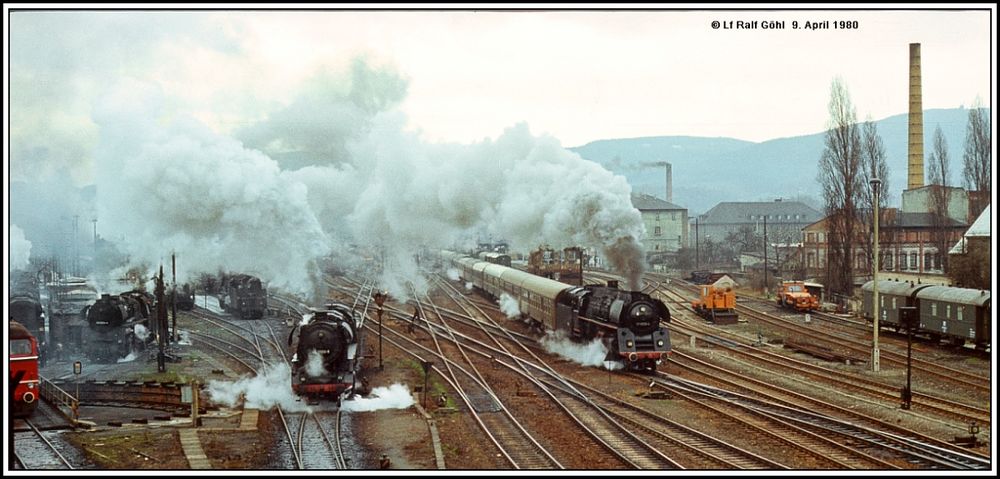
pixel 628 322
pixel 23 356
pixel 243 296
pixel 495 258
pixel 326 345
pixel 957 315
pixel 118 325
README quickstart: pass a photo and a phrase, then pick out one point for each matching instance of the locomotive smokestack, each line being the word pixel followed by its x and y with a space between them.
pixel 670 183
pixel 915 173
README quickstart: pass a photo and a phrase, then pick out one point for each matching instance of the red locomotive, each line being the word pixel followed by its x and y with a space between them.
pixel 23 369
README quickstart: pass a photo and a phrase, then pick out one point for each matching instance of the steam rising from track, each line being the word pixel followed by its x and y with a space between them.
pixel 509 306
pixel 359 177
pixel 396 396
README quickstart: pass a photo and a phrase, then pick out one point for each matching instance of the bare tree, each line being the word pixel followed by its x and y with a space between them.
pixel 841 178
pixel 937 177
pixel 874 163
pixel 978 157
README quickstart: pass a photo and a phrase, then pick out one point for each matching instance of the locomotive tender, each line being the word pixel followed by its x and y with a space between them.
pixel 326 345
pixel 628 322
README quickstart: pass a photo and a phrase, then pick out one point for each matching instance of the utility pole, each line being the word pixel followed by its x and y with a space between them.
pixel 697 254
pixel 173 302
pixel 876 307
pixel 76 245
pixel 765 256
pixel 161 321
pixel 94 220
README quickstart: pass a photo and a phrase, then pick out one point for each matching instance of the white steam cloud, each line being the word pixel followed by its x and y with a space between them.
pixel 20 249
pixel 468 285
pixel 453 274
pixel 271 387
pixel 334 169
pixel 314 364
pixel 141 332
pixel 589 354
pixel 508 306
pixel 396 396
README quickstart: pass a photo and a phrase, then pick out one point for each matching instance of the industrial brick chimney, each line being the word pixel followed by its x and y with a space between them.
pixel 670 184
pixel 915 171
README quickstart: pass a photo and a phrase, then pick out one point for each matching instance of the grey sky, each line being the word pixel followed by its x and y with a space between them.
pixel 576 75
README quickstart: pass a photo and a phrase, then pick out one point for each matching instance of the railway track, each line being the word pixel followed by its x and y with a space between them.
pixel 33 451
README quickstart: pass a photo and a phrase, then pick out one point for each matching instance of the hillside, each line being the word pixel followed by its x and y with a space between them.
pixel 709 170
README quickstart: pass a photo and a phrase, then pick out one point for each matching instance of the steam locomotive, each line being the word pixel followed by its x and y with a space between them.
pixel 185 297
pixel 118 325
pixel 243 296
pixel 628 322
pixel 326 345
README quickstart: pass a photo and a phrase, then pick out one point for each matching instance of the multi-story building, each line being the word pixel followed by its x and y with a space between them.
pixel 666 224
pixel 784 219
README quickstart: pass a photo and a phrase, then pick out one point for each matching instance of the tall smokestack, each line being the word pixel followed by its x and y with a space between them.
pixel 915 173
pixel 670 183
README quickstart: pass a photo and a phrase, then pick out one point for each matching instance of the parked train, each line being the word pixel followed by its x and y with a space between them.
pixel 327 344
pixel 185 297
pixel 23 357
pixel 25 304
pixel 954 314
pixel 118 325
pixel 628 322
pixel 243 296
pixel 495 258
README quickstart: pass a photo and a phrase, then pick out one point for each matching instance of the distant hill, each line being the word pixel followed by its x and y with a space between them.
pixel 707 171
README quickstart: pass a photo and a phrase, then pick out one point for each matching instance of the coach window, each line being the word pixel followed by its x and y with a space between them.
pixel 893 302
pixel 933 309
pixel 947 311
pixel 20 346
pixel 958 312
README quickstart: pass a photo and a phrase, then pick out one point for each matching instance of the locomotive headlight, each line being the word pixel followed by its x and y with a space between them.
pixel 629 343
pixel 31 385
pixel 659 343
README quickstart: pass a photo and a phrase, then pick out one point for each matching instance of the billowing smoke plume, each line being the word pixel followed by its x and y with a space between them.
pixel 453 274
pixel 508 306
pixel 337 170
pixel 20 249
pixel 180 187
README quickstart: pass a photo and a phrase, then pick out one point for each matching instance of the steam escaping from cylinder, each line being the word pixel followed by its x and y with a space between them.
pixel 396 396
pixel 589 354
pixel 509 306
pixel 271 387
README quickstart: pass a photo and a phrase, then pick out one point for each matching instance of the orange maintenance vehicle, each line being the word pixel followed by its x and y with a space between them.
pixel 794 295
pixel 717 303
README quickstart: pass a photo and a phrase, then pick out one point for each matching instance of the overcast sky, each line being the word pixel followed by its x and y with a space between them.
pixel 576 75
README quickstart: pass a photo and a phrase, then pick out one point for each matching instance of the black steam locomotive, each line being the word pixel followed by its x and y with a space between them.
pixel 628 322
pixel 25 304
pixel 185 297
pixel 243 296
pixel 326 346
pixel 118 325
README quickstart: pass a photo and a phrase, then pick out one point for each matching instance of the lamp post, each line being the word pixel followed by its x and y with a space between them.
pixel 876 307
pixel 908 317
